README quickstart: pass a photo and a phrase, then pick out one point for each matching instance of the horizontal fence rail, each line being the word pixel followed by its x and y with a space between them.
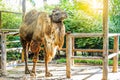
pixel 75 35
pixel 91 50
pixel 85 58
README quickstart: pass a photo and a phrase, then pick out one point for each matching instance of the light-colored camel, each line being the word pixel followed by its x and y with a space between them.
pixel 39 28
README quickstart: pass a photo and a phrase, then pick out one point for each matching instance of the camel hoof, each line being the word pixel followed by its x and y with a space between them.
pixel 32 74
pixel 27 72
pixel 48 74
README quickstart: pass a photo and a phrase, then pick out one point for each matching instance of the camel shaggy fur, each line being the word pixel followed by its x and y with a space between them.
pixel 39 28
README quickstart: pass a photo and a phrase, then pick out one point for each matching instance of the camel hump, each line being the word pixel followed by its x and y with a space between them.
pixel 31 16
pixel 44 18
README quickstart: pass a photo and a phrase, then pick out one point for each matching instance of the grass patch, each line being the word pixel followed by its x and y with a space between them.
pixel 90 62
pixel 61 60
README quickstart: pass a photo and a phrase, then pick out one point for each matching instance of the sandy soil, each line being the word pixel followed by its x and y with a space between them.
pixel 79 72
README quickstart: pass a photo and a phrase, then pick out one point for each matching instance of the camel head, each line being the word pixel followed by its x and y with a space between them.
pixel 58 15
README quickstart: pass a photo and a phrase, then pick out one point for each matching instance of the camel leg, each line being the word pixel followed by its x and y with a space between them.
pixel 47 60
pixel 25 48
pixel 27 71
pixel 35 48
pixel 35 58
pixel 48 57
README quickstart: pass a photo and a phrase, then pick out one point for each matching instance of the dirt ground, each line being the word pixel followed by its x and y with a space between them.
pixel 79 72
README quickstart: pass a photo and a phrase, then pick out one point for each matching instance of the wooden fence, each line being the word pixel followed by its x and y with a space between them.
pixel 3 34
pixel 70 49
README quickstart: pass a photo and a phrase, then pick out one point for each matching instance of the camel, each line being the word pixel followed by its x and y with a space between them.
pixel 40 28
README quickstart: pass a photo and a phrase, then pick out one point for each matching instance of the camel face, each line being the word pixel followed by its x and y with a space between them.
pixel 58 15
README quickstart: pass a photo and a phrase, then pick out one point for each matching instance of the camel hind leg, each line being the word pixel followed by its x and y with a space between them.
pixel 35 59
pixel 35 48
pixel 25 46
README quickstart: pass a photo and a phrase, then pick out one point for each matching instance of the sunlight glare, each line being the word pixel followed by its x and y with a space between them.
pixel 96 4
pixel 50 2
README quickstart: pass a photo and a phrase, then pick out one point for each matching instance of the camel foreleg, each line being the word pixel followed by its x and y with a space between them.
pixel 27 71
pixel 25 46
pixel 47 60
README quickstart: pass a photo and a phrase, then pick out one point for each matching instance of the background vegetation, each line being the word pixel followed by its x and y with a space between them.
pixel 11 20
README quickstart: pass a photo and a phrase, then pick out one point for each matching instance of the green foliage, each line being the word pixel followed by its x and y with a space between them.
pixel 89 43
pixel 114 13
pixel 80 18
pixel 114 16
pixel 13 55
pixel 62 60
pixel 14 45
pixel 11 44
pixel 82 23
pixel 12 38
pixel 11 21
pixel 83 19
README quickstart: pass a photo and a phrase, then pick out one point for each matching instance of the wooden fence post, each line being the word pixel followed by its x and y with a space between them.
pixel 68 55
pixel 72 50
pixel 105 39
pixel 116 49
pixel 3 53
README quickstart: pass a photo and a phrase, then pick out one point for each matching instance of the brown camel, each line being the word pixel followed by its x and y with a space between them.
pixel 39 28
